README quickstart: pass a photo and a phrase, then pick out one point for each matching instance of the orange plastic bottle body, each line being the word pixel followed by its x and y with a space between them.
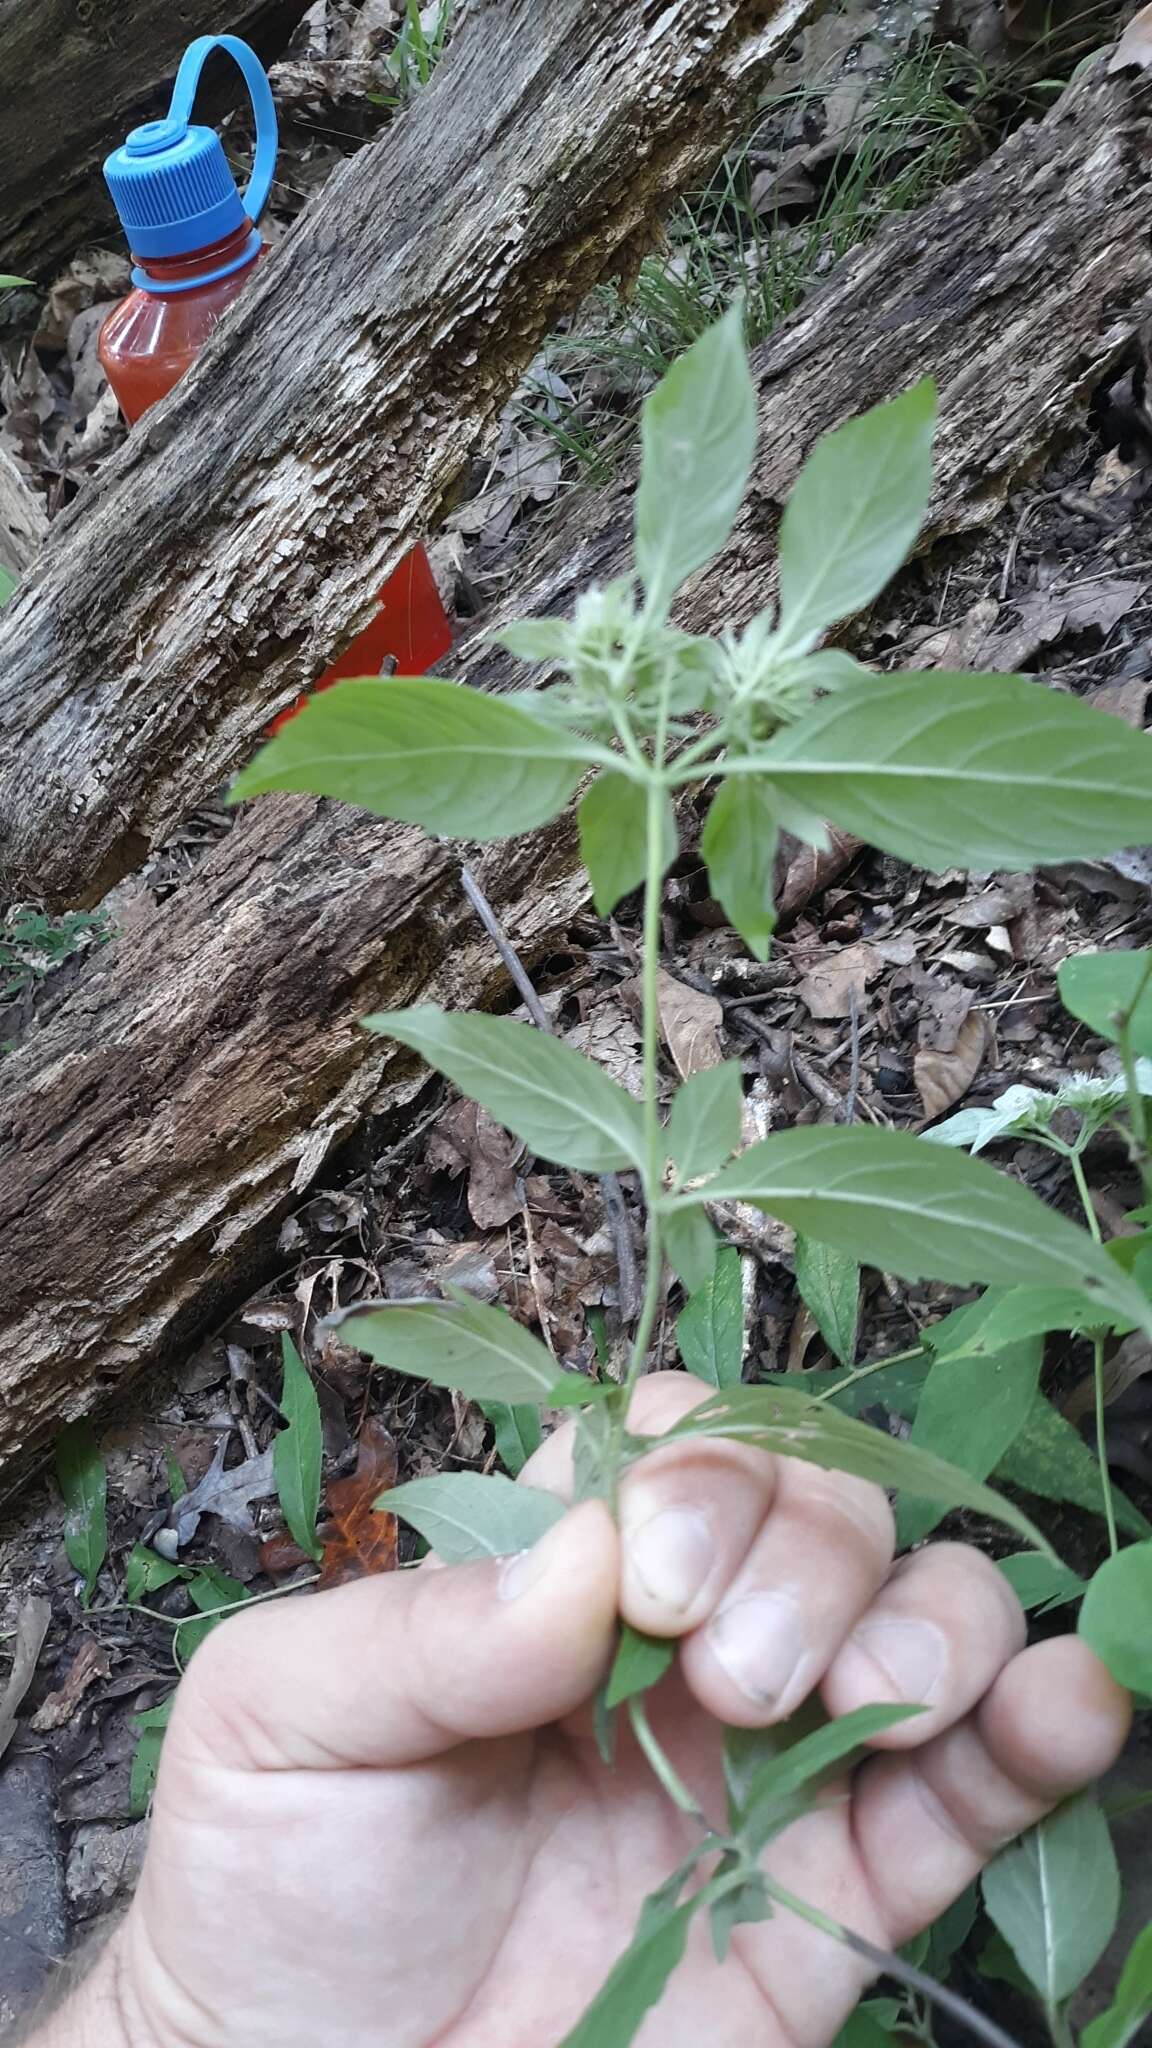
pixel 146 345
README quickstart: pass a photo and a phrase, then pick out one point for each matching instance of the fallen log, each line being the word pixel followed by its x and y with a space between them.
pixel 230 550
pixel 159 1126
pixel 75 75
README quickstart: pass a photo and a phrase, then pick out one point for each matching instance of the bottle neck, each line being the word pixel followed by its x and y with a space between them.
pixel 170 272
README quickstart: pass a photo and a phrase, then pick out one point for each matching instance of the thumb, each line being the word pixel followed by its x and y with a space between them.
pixel 392 1670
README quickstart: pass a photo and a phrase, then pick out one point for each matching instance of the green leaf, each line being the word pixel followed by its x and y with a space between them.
pixel 864 2029
pixel 433 753
pixel 949 1933
pixel 563 1105
pixel 177 1484
pixel 146 1760
pixel 739 841
pixel 710 1326
pixel 298 1451
pixel 1054 1895
pixel 855 510
pixel 829 1283
pixel 146 1572
pixel 921 1211
pixel 517 1430
pixel 691 1245
pixel 698 438
pixel 1009 1316
pixel 8 583
pixel 1050 1458
pixel 638 1981
pixel 1116 1616
pixel 704 1122
pixel 462 1344
pixel 1098 987
pixel 8 282
pixel 83 1482
pixel 640 1662
pixel 1132 2004
pixel 796 1426
pixel 465 1515
pixel 537 639
pixel 970 1411
pixel 1037 1581
pixel 614 837
pixel 746 1903
pixel 770 1798
pixel 988 771
pixel 216 1594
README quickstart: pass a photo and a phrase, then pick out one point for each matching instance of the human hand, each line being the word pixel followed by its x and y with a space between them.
pixel 381 1815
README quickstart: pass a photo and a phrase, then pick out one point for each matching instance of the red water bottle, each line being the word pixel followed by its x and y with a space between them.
pixel 195 244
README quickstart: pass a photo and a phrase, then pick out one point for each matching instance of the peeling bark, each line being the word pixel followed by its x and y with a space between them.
pixel 224 557
pixel 75 75
pixel 160 1125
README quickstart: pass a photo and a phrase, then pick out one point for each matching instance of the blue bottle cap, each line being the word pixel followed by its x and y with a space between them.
pixel 170 180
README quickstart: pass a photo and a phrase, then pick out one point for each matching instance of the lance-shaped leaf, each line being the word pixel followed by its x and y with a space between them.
pixel 798 1426
pixel 923 1212
pixel 1132 2004
pixel 970 1411
pixel 298 1451
pixel 698 437
pixel 769 1796
pixel 563 1105
pixel 829 1283
pixel 704 1123
pixel 710 1326
pixel 83 1481
pixel 433 753
pixel 465 1345
pixel 640 1662
pixel 988 771
pixel 614 837
pixel 854 512
pixel 739 842
pixel 468 1515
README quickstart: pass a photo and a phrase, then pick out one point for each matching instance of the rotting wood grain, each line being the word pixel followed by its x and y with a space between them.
pixel 210 1063
pixel 230 550
pixel 75 75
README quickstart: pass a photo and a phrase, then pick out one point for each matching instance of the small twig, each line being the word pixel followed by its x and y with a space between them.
pixel 614 1206
pixel 854 1070
pixel 817 1084
pixel 504 947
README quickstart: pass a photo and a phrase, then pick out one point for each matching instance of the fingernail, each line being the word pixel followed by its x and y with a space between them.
pixel 762 1644
pixel 525 1568
pixel 911 1655
pixel 672 1554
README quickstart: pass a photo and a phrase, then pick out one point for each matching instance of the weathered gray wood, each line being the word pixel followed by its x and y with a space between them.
pixel 75 75
pixel 232 547
pixel 210 1063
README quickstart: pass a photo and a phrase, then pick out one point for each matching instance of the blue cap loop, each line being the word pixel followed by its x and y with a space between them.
pixel 255 197
pixel 171 181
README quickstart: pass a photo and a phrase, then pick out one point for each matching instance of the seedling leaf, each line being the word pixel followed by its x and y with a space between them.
pixel 739 842
pixel 83 1483
pixel 698 438
pixel 710 1326
pixel 298 1450
pixel 614 840
pixel 1055 1895
pixel 466 1515
pixel 463 1344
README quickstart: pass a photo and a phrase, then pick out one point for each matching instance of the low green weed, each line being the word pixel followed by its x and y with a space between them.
pixel 988 771
pixel 32 944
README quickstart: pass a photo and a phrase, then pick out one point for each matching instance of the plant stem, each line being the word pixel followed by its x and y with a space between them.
pixel 894 1966
pixel 662 1765
pixel 1102 1444
pixel 864 1372
pixel 653 1134
pixel 1090 1217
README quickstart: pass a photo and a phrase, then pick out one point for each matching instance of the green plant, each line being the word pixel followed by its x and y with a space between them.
pixel 417 50
pixel 981 770
pixel 32 944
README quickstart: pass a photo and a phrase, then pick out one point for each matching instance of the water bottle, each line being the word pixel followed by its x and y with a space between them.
pixel 195 244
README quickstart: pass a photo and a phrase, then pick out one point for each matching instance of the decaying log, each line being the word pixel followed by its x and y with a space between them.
pixel 228 552
pixel 75 75
pixel 156 1127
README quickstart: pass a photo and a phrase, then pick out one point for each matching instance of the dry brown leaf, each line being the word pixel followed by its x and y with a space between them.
pixel 466 1136
pixel 811 868
pixel 610 1035
pixel 1130 1361
pixel 944 1007
pixel 90 1663
pixel 31 1628
pixel 1126 700
pixel 690 1021
pixel 827 988
pixel 358 1540
pixel 943 1077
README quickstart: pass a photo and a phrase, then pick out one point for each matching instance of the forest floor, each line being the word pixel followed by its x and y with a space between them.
pixel 891 996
